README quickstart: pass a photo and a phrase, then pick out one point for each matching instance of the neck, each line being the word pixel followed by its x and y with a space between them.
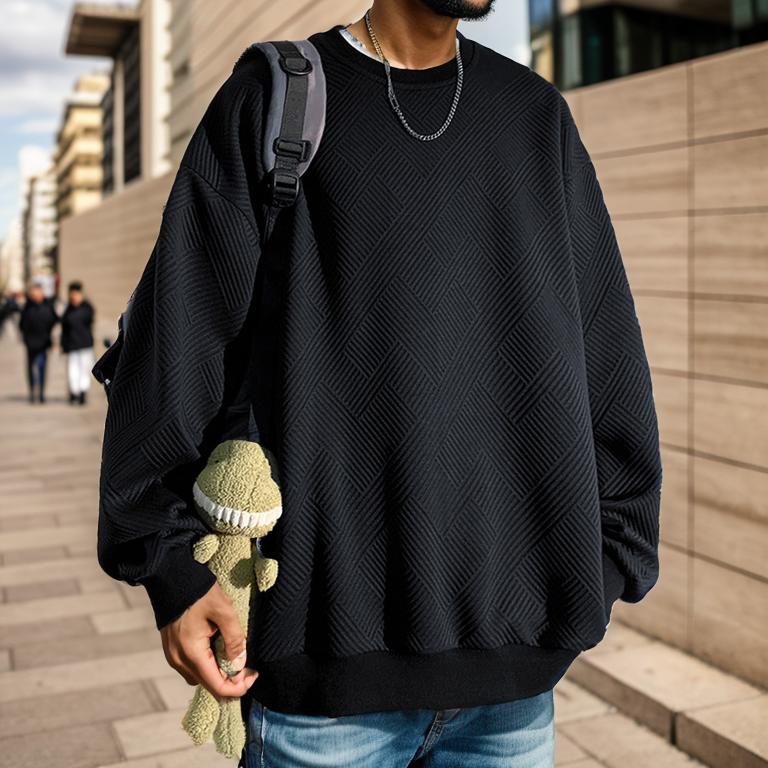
pixel 411 35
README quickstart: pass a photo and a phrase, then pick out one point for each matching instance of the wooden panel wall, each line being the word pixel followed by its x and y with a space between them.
pixel 108 246
pixel 219 33
pixel 682 154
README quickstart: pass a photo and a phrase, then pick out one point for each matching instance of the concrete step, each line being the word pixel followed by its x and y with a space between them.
pixel 591 733
pixel 707 713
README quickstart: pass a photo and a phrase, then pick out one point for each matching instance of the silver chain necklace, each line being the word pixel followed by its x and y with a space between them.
pixel 391 91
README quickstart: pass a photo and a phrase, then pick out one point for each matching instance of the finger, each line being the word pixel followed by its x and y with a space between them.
pixel 243 674
pixel 232 633
pixel 209 674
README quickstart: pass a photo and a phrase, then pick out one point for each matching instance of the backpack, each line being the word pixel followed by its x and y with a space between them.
pixel 292 130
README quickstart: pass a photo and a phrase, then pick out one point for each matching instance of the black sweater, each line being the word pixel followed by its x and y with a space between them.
pixel 36 322
pixel 77 326
pixel 451 376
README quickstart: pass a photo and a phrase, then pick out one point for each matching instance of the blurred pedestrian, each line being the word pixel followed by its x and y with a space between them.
pixel 8 305
pixel 38 317
pixel 77 342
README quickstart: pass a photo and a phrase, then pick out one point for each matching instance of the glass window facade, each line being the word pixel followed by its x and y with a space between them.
pixel 604 40
pixel 131 55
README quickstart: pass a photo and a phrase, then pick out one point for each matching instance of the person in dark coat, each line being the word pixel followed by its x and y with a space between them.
pixel 38 317
pixel 77 342
pixel 8 305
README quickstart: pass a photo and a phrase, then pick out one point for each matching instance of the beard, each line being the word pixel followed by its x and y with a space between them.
pixel 460 9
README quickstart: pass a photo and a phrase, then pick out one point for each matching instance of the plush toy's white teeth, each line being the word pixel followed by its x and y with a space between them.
pixel 235 517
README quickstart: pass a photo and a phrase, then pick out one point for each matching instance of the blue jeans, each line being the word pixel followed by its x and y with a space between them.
pixel 516 734
pixel 36 360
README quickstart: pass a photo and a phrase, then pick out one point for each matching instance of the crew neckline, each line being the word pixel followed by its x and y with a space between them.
pixel 355 43
pixel 342 50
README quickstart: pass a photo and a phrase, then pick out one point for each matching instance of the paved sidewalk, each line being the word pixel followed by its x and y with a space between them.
pixel 83 680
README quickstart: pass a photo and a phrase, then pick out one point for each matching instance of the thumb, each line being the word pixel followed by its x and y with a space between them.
pixel 231 633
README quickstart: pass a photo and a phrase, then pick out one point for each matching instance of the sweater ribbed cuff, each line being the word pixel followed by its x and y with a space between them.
pixel 179 581
pixel 613 581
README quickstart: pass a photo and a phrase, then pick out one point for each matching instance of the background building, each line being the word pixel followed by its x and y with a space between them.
pixel 38 216
pixel 12 259
pixel 79 150
pixel 136 103
pixel 582 42
pixel 39 225
pixel 186 49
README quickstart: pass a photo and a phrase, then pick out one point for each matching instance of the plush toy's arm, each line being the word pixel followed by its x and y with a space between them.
pixel 205 547
pixel 265 569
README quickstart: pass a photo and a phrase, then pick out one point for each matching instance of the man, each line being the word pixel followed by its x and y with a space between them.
pixel 77 342
pixel 37 319
pixel 8 305
pixel 451 377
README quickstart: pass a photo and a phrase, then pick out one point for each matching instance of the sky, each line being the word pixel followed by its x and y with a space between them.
pixel 36 76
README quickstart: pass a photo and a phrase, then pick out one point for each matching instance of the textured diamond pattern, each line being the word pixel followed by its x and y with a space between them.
pixel 451 374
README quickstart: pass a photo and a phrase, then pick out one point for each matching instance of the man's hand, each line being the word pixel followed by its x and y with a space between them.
pixel 187 645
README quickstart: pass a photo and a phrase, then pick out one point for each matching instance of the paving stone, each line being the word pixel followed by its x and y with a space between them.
pixel 727 735
pixel 83 549
pixel 66 567
pixel 123 620
pixel 149 734
pixel 101 583
pixel 49 500
pixel 74 626
pixel 78 747
pixel 653 682
pixel 567 751
pixel 136 596
pixel 27 522
pixel 68 535
pixel 34 555
pixel 81 675
pixel 619 637
pixel 194 757
pixel 174 691
pixel 619 742
pixel 58 607
pixel 54 650
pixel 87 514
pixel 21 593
pixel 15 484
pixel 66 710
pixel 573 702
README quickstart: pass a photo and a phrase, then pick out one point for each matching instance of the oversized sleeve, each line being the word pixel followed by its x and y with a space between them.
pixel 181 358
pixel 624 420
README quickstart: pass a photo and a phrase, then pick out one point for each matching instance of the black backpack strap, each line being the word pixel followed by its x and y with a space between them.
pixel 292 130
pixel 289 146
pixel 295 120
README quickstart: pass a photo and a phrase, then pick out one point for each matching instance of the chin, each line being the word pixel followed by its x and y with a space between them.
pixel 460 9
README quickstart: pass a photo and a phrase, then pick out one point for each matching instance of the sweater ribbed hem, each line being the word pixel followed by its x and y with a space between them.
pixel 177 583
pixel 614 582
pixel 383 680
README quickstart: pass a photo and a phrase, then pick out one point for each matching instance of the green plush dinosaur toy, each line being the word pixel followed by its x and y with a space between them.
pixel 237 496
